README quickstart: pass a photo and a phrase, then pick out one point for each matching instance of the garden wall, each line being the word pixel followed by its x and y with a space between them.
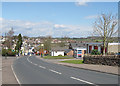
pixel 110 60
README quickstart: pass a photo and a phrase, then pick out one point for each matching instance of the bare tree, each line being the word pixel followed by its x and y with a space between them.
pixel 9 38
pixel 106 27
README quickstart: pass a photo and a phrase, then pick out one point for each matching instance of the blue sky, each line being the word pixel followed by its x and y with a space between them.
pixel 54 18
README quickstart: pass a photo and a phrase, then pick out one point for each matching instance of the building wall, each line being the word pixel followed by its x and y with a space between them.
pixel 113 48
pixel 92 47
pixel 70 53
pixel 56 53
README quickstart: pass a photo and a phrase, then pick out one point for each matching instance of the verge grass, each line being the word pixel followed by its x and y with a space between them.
pixel 73 61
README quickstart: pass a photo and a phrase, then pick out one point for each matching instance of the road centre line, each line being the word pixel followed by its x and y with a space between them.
pixel 55 71
pixel 83 81
pixel 35 64
pixel 42 67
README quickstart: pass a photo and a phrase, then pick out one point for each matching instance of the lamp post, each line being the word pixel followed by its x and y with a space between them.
pixel 43 49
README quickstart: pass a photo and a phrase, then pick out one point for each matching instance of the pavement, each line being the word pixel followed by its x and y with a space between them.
pixel 7 73
pixel 99 68
pixel 31 70
pixel 0 70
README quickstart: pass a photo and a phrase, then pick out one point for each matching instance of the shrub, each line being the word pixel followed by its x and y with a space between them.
pixel 95 52
pixel 8 52
pixel 59 55
pixel 4 51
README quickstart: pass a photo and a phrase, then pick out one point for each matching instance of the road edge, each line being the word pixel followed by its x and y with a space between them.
pixel 15 75
pixel 89 69
pixel 80 68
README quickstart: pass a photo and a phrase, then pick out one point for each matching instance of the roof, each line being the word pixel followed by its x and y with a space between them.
pixel 58 48
pixel 77 45
pixel 67 50
pixel 80 48
pixel 113 43
pixel 95 43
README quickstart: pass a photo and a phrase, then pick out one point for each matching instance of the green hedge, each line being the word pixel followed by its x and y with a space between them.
pixel 8 52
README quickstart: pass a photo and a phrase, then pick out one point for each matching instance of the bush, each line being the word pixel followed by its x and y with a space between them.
pixel 60 55
pixel 8 52
pixel 4 51
pixel 95 52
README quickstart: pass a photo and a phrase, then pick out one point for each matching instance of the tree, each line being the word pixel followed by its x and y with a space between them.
pixel 47 43
pixel 9 37
pixel 106 27
pixel 19 43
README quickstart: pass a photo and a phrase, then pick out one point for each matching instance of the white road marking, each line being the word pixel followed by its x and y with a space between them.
pixel 35 64
pixel 15 76
pixel 42 67
pixel 82 80
pixel 55 71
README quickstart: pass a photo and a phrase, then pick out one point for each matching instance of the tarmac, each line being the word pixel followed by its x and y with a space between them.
pixel 7 75
pixel 99 68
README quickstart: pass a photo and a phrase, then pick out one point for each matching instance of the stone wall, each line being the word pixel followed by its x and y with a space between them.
pixel 110 60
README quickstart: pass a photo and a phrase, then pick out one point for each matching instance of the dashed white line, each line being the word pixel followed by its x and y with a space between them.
pixel 82 80
pixel 35 64
pixel 15 76
pixel 42 67
pixel 55 71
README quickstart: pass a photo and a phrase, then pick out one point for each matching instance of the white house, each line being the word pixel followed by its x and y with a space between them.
pixel 57 51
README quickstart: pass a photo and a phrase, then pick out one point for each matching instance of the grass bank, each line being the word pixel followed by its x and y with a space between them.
pixel 73 61
pixel 57 57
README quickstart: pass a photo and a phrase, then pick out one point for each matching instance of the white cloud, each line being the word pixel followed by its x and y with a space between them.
pixel 45 28
pixel 82 2
pixel 1 19
pixel 91 17
pixel 59 26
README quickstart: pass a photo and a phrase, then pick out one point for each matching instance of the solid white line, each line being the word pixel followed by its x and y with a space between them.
pixel 42 67
pixel 82 80
pixel 15 75
pixel 55 71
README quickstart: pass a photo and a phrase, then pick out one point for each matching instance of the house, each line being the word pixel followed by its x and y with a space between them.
pixel 79 52
pixel 77 45
pixel 56 51
pixel 113 47
pixel 97 46
pixel 69 52
pixel 78 48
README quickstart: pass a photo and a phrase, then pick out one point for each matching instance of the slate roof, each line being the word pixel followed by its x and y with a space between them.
pixel 67 50
pixel 77 45
pixel 58 48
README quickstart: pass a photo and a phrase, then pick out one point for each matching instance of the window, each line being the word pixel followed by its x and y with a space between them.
pixel 79 51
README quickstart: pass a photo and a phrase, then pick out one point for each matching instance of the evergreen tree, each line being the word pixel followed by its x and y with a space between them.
pixel 19 43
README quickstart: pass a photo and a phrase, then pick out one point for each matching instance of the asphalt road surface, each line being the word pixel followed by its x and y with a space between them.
pixel 31 70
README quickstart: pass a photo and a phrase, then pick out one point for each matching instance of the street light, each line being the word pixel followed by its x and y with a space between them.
pixel 43 49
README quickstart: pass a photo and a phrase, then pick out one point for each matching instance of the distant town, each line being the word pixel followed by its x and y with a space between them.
pixel 62 46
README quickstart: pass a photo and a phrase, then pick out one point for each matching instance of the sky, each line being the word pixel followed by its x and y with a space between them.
pixel 57 19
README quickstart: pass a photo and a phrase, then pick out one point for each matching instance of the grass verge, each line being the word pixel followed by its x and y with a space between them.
pixel 57 57
pixel 73 61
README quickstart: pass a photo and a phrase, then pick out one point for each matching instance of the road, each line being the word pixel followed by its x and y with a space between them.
pixel 31 70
